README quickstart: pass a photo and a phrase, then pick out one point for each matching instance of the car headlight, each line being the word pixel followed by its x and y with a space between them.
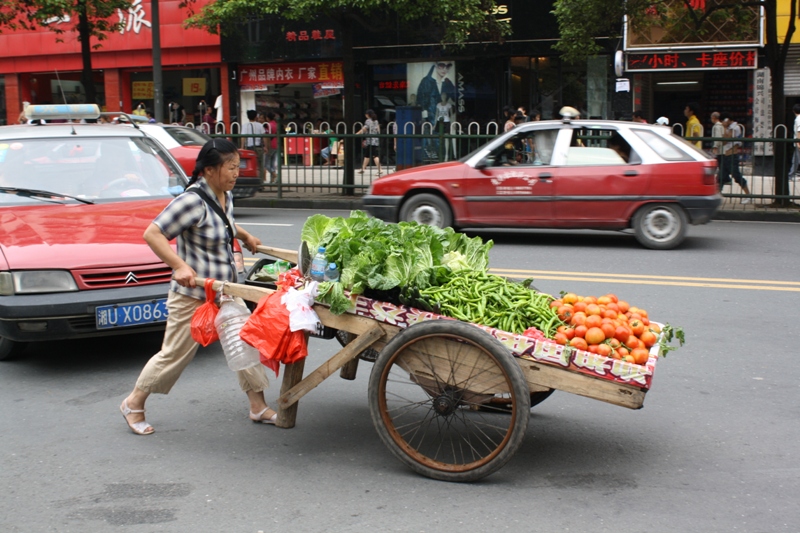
pixel 36 281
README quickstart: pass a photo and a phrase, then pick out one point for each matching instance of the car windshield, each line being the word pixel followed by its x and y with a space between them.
pixel 188 136
pixel 87 168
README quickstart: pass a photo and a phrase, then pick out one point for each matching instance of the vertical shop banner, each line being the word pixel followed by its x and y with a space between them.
pixel 142 90
pixel 194 86
pixel 762 110
pixel 432 86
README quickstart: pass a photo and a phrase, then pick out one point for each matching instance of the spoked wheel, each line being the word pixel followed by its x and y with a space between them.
pixel 430 398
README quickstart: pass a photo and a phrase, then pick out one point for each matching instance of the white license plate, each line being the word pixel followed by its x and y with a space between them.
pixel 132 314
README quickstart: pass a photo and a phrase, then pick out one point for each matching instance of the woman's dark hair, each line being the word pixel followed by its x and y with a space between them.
pixel 371 114
pixel 213 154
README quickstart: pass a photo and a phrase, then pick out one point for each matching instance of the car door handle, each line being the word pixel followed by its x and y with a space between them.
pixel 545 176
pixel 630 173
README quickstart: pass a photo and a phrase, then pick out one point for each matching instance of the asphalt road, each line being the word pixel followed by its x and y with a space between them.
pixel 713 450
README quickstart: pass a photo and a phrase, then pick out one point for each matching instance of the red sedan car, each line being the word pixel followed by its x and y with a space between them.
pixel 75 200
pixel 579 174
pixel 185 143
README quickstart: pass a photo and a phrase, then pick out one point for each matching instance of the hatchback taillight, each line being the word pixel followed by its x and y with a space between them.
pixel 710 175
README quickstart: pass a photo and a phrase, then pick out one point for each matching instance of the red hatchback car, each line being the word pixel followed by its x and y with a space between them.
pixel 578 174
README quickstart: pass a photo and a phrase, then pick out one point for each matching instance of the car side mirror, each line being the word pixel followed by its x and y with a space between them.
pixel 487 161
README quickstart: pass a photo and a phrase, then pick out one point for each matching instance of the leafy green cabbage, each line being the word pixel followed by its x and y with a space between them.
pixel 372 254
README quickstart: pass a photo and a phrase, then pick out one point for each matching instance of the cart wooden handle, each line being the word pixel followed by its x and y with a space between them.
pixel 280 253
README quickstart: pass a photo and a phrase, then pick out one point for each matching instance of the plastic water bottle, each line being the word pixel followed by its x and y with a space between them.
pixel 319 265
pixel 229 322
pixel 332 273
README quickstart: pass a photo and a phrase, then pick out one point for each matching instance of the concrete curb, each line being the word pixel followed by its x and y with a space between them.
pixel 349 204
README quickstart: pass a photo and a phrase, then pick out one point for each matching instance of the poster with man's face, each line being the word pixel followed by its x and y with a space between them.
pixel 431 86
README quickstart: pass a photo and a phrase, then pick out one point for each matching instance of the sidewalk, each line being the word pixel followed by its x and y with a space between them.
pixel 297 198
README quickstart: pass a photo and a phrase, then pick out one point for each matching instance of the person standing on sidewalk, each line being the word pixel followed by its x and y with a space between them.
pixel 796 156
pixel 718 131
pixel 693 126
pixel 730 156
pixel 271 128
pixel 255 140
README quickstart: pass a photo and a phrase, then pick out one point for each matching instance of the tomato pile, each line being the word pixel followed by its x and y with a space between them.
pixel 606 326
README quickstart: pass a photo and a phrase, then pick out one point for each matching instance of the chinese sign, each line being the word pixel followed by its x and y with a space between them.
pixel 194 86
pixel 313 35
pixel 698 60
pixel 142 90
pixel 133 19
pixel 255 77
pixel 393 85
pixel 762 110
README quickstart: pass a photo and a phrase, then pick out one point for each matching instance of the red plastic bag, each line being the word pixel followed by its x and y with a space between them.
pixel 203 329
pixel 267 330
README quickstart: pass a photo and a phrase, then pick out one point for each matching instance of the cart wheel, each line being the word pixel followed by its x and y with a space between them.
pixel 345 338
pixel 424 391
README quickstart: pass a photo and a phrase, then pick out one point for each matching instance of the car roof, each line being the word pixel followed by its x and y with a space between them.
pixel 39 131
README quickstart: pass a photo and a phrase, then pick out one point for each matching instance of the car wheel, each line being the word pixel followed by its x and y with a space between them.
pixel 9 348
pixel 427 209
pixel 660 226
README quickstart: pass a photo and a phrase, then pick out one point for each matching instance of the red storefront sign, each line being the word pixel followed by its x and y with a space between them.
pixel 253 77
pixel 702 60
pixel 43 50
pixel 313 35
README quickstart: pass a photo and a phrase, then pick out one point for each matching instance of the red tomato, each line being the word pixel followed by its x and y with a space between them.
pixel 580 331
pixel 560 338
pixel 579 344
pixel 637 327
pixel 648 338
pixel 640 355
pixel 567 331
pixel 595 336
pixel 604 350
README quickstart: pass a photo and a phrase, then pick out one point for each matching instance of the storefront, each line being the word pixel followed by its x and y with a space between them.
pixel 300 93
pixel 38 69
pixel 670 62
pixel 398 66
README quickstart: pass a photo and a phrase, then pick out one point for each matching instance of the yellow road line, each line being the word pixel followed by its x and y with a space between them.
pixel 641 279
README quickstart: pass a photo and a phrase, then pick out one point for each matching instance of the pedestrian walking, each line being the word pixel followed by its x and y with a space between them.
pixel 796 156
pixel 255 141
pixel 204 250
pixel 731 149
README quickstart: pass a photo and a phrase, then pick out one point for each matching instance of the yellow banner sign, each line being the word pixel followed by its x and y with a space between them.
pixel 142 90
pixel 194 86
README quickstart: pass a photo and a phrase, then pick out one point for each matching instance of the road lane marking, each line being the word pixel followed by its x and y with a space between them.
pixel 638 279
pixel 641 279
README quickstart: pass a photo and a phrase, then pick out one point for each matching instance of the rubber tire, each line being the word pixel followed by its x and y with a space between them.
pixel 427 209
pixel 650 222
pixel 499 355
pixel 10 349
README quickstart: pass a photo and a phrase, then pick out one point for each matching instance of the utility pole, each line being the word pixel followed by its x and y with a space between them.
pixel 158 84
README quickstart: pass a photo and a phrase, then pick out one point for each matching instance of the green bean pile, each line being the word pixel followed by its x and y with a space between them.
pixel 493 301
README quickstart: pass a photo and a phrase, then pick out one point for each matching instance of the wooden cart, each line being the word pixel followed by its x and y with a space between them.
pixel 450 399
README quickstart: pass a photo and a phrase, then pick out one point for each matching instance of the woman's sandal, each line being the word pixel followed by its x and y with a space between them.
pixel 140 428
pixel 256 417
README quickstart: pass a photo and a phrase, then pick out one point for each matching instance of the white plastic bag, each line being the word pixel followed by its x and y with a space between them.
pixel 299 303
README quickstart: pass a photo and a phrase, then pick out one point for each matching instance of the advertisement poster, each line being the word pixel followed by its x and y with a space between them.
pixel 431 85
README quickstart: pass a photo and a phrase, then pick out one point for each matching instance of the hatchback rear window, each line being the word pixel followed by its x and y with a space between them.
pixel 662 146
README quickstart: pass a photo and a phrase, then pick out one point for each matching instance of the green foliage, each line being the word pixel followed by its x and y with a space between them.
pixel 461 19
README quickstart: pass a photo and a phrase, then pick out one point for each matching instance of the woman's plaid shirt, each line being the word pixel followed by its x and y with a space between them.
pixel 202 237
